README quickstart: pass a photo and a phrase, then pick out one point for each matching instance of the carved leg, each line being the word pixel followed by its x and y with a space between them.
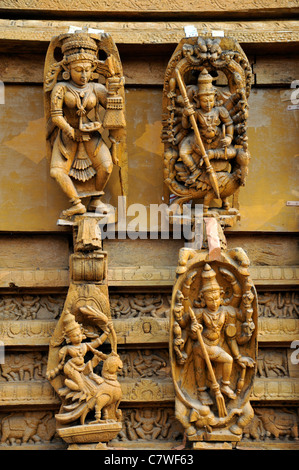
pixel 69 189
pixel 207 201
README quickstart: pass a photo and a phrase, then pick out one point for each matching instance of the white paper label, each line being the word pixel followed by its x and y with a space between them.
pixel 217 33
pixel 73 29
pixel 190 31
pixel 95 31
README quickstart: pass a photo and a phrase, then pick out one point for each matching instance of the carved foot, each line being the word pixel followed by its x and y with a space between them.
pixel 235 429
pixel 204 398
pixel 226 390
pixel 98 421
pixel 192 178
pixel 99 207
pixel 77 208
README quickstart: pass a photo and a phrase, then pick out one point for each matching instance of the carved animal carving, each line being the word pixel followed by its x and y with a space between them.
pixel 22 426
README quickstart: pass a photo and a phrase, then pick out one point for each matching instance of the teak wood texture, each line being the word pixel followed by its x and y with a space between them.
pixel 71 303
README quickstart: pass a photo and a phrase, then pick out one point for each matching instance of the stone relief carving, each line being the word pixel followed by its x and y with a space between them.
pixel 273 424
pixel 30 307
pixel 24 366
pixel 279 305
pixel 150 423
pixel 272 363
pixel 81 157
pixel 28 427
pixel 139 305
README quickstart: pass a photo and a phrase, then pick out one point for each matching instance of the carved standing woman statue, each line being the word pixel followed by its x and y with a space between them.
pixel 74 104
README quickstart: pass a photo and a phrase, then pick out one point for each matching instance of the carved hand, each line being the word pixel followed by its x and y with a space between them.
pixel 196 326
pixel 245 361
pixel 188 111
pixel 70 132
pixel 226 141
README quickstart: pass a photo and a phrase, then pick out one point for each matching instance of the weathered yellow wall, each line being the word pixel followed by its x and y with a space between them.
pixel 32 201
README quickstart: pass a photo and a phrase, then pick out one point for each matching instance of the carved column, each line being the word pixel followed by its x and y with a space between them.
pixel 213 319
pixel 83 360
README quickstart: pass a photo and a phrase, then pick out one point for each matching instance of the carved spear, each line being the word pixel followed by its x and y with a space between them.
pixel 215 386
pixel 209 168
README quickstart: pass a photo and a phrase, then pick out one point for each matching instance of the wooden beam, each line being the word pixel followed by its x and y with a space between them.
pixel 152 8
pixel 158 32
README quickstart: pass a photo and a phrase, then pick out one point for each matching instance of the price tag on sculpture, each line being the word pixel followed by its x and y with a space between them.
pixel 217 33
pixel 190 31
pixel 73 29
pixel 95 31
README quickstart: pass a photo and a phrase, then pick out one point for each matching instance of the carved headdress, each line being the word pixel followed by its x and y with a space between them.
pixel 209 282
pixel 79 46
pixel 69 325
pixel 204 83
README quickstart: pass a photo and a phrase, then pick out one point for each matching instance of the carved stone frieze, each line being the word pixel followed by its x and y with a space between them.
pixel 273 425
pixel 27 332
pixel 29 430
pixel 31 307
pixel 126 32
pixel 152 276
pixel 279 304
pixel 150 424
pixel 148 6
pixel 148 313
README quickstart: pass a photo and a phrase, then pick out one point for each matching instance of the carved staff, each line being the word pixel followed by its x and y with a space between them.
pixel 215 386
pixel 209 168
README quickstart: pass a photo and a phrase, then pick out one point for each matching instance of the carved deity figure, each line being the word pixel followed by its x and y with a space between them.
pixel 85 390
pixel 213 346
pixel 204 128
pixel 74 104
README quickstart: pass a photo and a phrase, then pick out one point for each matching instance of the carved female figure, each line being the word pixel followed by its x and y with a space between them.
pixel 78 151
pixel 85 390
pixel 76 351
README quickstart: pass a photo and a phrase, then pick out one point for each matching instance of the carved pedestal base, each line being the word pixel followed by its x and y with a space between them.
pixel 90 436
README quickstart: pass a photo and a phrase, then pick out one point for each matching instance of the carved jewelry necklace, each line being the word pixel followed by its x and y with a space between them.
pixel 82 95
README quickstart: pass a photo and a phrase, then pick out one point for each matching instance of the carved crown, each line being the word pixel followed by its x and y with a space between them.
pixel 79 46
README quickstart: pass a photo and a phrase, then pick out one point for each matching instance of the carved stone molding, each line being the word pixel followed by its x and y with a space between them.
pixel 271 428
pixel 275 389
pixel 136 276
pixel 144 330
pixel 28 333
pixel 160 32
pixel 141 391
pixel 153 7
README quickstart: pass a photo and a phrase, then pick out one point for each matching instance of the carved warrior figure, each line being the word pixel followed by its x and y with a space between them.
pixel 213 346
pixel 204 128
pixel 81 160
pixel 85 377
